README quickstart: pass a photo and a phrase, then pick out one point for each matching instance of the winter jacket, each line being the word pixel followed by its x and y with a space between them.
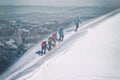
pixel 49 40
pixel 62 32
pixel 42 44
pixel 77 20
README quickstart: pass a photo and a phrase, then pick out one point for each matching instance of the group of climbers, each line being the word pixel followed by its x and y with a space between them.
pixel 51 42
pixel 56 37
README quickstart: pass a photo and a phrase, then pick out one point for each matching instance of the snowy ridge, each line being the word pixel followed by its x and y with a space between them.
pixel 94 57
pixel 31 59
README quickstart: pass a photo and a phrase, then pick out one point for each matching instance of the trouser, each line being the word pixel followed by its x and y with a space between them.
pixel 43 50
pixel 54 43
pixel 77 25
pixel 62 37
pixel 49 46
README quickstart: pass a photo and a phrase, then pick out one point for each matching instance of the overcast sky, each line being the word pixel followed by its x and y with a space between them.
pixel 62 2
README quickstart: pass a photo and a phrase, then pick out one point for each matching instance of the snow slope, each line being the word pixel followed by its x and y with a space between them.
pixel 93 57
pixel 92 53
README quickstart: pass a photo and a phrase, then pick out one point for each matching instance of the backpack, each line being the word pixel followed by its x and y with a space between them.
pixel 42 44
pixel 53 35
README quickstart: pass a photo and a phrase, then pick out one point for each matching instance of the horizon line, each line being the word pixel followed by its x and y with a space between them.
pixel 60 6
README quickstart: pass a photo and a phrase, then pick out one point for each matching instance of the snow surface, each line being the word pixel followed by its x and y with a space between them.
pixel 92 53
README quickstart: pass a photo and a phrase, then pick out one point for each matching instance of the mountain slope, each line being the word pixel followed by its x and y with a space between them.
pixel 74 46
pixel 94 56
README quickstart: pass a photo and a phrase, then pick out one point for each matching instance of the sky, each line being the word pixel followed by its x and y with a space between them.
pixel 62 2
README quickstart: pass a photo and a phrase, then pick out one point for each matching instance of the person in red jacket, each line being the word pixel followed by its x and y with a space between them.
pixel 43 47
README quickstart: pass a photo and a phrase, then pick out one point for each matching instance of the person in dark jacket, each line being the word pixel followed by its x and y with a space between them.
pixel 77 21
pixel 49 43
